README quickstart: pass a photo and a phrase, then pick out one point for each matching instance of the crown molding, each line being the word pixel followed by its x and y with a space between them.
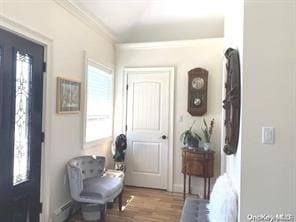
pixel 165 44
pixel 87 19
pixel 19 29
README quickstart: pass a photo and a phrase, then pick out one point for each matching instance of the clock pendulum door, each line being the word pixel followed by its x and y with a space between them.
pixel 197 91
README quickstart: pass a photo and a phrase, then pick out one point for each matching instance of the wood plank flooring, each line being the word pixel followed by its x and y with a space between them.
pixel 145 205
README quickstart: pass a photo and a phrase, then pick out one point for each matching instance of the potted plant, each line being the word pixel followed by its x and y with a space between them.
pixel 207 132
pixel 190 138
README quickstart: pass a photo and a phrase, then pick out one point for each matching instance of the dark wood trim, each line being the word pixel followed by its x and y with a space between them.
pixel 201 93
pixel 232 101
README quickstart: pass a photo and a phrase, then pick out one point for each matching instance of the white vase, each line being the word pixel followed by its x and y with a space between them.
pixel 207 146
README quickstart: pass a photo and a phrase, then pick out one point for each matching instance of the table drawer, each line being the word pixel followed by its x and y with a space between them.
pixel 196 164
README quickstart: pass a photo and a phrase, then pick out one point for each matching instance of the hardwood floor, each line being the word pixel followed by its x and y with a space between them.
pixel 145 205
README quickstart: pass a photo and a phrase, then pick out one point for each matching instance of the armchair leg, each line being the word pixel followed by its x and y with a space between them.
pixel 74 204
pixel 103 213
pixel 120 201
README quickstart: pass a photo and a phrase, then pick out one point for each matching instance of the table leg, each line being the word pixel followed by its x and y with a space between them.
pixel 184 193
pixel 209 181
pixel 205 188
pixel 120 201
pixel 189 185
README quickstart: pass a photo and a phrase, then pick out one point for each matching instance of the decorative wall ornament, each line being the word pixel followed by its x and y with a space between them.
pixel 68 96
pixel 197 91
pixel 232 101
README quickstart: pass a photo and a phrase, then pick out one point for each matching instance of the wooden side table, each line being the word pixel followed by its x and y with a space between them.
pixel 198 163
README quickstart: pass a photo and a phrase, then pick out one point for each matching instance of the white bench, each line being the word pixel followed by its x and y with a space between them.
pixel 222 206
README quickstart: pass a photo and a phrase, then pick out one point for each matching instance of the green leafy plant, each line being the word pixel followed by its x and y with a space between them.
pixel 207 131
pixel 189 135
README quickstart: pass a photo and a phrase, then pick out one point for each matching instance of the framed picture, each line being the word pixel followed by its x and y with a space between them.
pixel 68 96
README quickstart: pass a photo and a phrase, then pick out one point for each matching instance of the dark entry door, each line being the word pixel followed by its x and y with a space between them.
pixel 21 88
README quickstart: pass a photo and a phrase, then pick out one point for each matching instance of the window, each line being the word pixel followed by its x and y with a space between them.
pixel 99 103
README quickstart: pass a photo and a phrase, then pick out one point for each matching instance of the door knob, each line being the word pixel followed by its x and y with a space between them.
pixel 164 137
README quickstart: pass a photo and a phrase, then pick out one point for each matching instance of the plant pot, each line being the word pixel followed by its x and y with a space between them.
pixel 192 143
pixel 207 146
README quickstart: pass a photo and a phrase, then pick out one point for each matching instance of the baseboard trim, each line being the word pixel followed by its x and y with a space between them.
pixel 194 189
pixel 178 188
pixel 61 213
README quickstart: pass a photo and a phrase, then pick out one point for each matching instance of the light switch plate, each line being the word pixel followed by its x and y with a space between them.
pixel 267 135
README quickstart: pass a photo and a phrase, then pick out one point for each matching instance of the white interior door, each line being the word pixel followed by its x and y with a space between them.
pixel 147 128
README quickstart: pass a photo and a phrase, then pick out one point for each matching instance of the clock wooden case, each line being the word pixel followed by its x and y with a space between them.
pixel 197 91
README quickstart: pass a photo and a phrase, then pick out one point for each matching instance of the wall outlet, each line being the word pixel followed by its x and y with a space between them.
pixel 267 135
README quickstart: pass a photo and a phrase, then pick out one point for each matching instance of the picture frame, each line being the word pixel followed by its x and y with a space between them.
pixel 68 96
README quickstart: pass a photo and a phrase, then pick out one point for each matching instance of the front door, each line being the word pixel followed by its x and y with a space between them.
pixel 21 90
pixel 147 128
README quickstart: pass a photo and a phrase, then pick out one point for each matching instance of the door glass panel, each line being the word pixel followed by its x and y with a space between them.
pixel 21 167
pixel 0 57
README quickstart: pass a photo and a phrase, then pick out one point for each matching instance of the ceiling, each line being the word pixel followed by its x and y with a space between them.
pixel 157 20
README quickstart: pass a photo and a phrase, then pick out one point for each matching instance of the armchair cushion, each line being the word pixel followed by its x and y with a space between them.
pixel 101 187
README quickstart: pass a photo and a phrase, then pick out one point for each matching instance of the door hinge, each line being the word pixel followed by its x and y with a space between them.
pixel 40 208
pixel 42 137
pixel 44 66
pixel 125 128
pixel 126 87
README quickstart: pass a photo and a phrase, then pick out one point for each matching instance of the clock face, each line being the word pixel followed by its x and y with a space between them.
pixel 198 83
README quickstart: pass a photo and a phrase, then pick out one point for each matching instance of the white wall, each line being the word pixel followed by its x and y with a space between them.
pixel 69 38
pixel 184 56
pixel 264 33
pixel 233 37
pixel 189 29
pixel 267 171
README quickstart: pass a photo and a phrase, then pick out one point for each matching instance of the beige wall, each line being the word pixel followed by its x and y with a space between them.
pixel 184 56
pixel 70 37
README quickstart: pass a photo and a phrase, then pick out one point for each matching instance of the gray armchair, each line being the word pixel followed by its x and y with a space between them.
pixel 89 184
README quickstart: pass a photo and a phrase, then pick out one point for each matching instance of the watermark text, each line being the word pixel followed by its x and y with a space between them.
pixel 271 218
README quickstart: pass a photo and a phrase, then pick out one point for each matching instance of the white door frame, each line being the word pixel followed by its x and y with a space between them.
pixel 46 42
pixel 171 71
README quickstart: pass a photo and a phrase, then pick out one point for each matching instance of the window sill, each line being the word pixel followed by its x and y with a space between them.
pixel 96 143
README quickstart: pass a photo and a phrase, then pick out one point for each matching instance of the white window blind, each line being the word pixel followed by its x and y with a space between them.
pixel 99 104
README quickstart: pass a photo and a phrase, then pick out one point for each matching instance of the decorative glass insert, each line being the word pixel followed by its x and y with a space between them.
pixel 0 57
pixel 21 166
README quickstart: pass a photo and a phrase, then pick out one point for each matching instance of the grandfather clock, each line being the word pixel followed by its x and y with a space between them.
pixel 197 91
